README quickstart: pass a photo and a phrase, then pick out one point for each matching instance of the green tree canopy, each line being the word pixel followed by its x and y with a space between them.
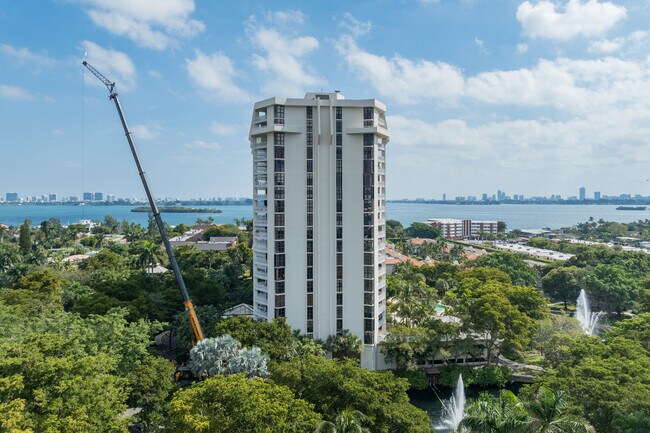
pixel 564 283
pixel 333 385
pixel 237 404
pixel 512 264
pixel 422 230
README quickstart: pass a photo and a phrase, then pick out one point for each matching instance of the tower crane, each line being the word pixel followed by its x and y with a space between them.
pixel 187 302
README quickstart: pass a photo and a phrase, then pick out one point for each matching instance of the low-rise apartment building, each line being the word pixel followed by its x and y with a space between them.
pixel 462 229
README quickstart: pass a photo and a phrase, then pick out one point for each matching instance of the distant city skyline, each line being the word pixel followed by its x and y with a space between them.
pixel 509 95
pixel 499 195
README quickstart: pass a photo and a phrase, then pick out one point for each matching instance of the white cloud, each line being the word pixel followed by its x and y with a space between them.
pixel 216 73
pixel 587 19
pixel 144 132
pixel 612 45
pixel 219 128
pixel 354 26
pixel 568 85
pixel 287 17
pixel 151 25
pixel 25 56
pixel 522 48
pixel 401 79
pixel 480 43
pixel 15 93
pixel 282 60
pixel 115 65
pixel 200 144
pixel 541 154
pixel 574 86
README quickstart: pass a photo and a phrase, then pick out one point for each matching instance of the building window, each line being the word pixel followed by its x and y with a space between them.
pixel 279 179
pixel 279 219
pixel 279 246
pixel 280 312
pixel 279 205
pixel 278 114
pixel 278 138
pixel 279 233
pixel 279 166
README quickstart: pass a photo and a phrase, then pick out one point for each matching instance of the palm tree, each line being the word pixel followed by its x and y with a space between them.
pixel 547 414
pixel 344 345
pixel 504 414
pixel 149 253
pixel 348 421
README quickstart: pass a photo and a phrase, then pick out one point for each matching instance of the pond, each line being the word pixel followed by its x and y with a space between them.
pixel 430 400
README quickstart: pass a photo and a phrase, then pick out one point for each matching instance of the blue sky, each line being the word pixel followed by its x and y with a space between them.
pixel 531 97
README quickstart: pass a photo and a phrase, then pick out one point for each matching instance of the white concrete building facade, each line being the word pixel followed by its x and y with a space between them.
pixel 319 216
pixel 459 229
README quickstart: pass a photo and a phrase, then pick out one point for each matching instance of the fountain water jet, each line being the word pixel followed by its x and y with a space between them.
pixel 453 410
pixel 588 319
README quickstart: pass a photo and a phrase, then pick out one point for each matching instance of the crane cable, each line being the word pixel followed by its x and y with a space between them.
pixel 83 138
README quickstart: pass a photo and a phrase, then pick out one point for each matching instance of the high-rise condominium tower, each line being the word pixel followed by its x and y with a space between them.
pixel 319 216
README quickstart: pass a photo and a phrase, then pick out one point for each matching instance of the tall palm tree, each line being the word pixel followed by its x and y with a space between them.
pixel 504 414
pixel 344 345
pixel 547 414
pixel 348 421
pixel 149 253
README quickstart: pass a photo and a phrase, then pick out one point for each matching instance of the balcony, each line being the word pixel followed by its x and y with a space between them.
pixel 260 222
pixel 260 234
pixel 259 143
pixel 260 121
pixel 260 284
pixel 261 272
pixel 259 156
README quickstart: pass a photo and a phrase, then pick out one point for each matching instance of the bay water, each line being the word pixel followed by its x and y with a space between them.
pixel 516 216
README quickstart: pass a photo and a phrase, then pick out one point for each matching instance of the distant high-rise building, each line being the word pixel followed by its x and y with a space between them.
pixel 484 197
pixel 88 196
pixel 73 199
pixel 12 196
pixel 596 195
pixel 98 196
pixel 583 193
pixel 444 196
pixel 110 197
pixel 54 197
pixel 319 216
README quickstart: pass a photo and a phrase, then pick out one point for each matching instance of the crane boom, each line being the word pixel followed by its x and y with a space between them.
pixel 187 302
